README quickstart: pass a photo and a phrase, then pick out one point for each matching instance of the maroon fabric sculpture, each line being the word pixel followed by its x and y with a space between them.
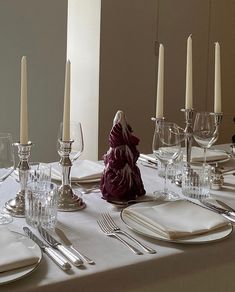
pixel 121 179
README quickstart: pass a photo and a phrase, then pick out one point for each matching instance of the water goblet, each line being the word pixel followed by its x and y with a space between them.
pixel 204 131
pixel 166 148
pixel 7 164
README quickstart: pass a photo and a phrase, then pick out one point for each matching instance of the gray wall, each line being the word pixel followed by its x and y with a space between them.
pixel 130 30
pixel 36 29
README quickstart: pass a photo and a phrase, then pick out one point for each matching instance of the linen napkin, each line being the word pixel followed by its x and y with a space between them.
pixel 13 253
pixel 82 171
pixel 211 155
pixel 176 219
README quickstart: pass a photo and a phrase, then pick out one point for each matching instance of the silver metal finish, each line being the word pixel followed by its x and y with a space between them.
pixel 221 211
pixel 218 121
pixel 188 132
pixel 227 207
pixel 109 221
pixel 56 257
pixel 67 242
pixel 67 200
pixel 109 232
pixel 16 206
pixel 71 256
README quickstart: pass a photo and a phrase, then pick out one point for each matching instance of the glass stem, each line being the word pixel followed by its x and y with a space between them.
pixel 204 162
pixel 165 179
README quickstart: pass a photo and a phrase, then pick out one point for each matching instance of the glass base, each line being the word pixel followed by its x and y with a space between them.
pixel 5 218
pixel 166 196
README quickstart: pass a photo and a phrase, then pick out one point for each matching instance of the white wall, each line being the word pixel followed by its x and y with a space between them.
pixel 83 51
pixel 36 29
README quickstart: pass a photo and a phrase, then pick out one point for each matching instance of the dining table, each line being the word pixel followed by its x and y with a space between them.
pixel 208 266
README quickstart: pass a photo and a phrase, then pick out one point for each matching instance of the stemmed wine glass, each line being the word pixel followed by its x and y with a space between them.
pixel 76 135
pixel 204 131
pixel 166 148
pixel 7 164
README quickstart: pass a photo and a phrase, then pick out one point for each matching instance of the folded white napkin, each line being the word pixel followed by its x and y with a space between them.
pixel 13 253
pixel 82 171
pixel 211 155
pixel 175 220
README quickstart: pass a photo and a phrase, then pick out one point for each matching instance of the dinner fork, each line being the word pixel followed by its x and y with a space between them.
pixel 104 227
pixel 115 228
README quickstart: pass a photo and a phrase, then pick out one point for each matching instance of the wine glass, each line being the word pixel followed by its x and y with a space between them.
pixel 77 136
pixel 166 148
pixel 7 164
pixel 204 131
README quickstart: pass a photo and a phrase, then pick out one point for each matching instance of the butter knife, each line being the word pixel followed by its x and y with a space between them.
pixel 71 256
pixel 221 211
pixel 55 256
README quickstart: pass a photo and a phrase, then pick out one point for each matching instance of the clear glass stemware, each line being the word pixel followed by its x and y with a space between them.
pixel 7 164
pixel 204 131
pixel 76 135
pixel 166 148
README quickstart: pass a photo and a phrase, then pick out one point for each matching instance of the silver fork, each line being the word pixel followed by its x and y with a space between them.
pixel 116 229
pixel 106 229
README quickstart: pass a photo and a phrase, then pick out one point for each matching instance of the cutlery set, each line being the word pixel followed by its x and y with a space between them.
pixel 58 252
pixel 64 255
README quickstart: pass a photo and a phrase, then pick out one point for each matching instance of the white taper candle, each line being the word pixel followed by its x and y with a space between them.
pixel 66 117
pixel 23 103
pixel 217 85
pixel 160 83
pixel 189 76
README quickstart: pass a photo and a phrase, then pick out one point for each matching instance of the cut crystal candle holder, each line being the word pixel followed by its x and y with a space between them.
pixel 16 206
pixel 67 199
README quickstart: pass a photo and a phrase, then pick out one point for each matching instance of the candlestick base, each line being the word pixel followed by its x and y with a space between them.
pixel 68 200
pixel 16 206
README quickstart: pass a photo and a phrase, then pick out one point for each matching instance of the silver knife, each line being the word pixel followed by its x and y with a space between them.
pixel 71 256
pixel 55 256
pixel 227 207
pixel 221 211
pixel 148 159
pixel 67 242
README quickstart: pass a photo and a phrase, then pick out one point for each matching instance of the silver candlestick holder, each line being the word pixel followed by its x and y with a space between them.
pixel 16 206
pixel 68 200
pixel 218 121
pixel 188 131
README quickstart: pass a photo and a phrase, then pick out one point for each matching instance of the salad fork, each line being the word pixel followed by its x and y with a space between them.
pixel 106 229
pixel 116 229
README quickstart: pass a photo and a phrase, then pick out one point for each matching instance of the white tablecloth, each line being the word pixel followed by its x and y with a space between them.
pixel 175 267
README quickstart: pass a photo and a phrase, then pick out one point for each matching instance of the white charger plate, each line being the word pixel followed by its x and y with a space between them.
pixel 13 275
pixel 209 237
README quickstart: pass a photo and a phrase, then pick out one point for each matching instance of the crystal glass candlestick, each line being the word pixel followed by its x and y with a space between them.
pixel 67 200
pixel 188 132
pixel 16 206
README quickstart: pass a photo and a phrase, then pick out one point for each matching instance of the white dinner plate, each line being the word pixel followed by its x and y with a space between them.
pixel 13 275
pixel 197 239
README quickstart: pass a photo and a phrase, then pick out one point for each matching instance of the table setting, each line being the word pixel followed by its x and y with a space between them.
pixel 133 221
